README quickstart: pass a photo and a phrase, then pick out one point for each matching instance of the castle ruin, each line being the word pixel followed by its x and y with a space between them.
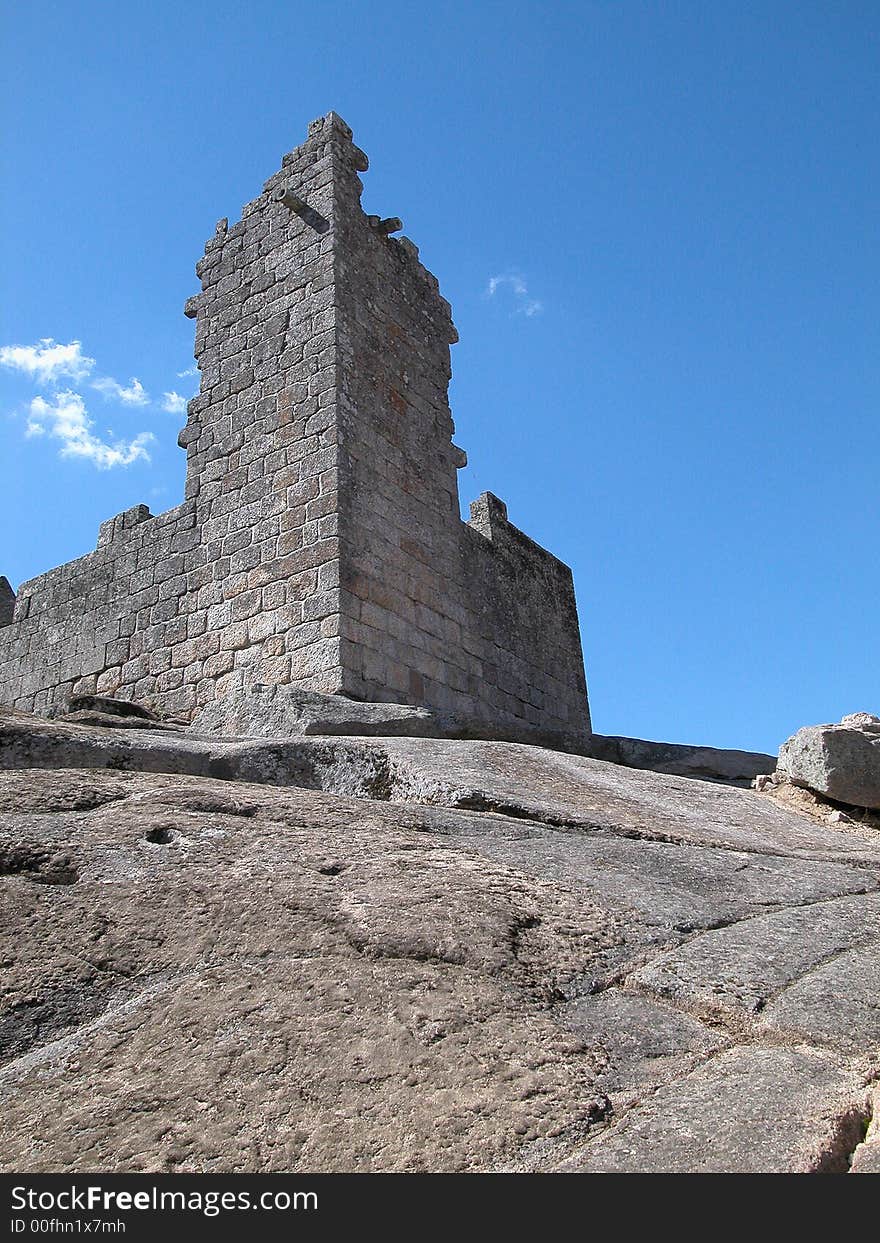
pixel 319 543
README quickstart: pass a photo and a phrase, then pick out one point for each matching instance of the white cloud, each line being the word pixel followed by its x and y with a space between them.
pixel 524 304
pixel 134 395
pixel 48 361
pixel 182 375
pixel 62 414
pixel 174 403
pixel 64 418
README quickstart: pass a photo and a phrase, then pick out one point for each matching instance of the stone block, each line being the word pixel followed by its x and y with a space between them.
pixel 840 762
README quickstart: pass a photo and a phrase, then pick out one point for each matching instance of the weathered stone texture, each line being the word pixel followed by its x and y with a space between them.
pixel 108 621
pixel 7 601
pixel 319 543
pixel 340 953
pixel 705 763
pixel 840 762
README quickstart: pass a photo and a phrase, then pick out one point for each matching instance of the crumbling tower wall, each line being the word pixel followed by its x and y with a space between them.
pixel 319 542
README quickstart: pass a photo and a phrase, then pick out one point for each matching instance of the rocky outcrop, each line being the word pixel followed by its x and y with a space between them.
pixel 705 763
pixel 782 790
pixel 250 710
pixel 840 762
pixel 111 713
pixel 416 953
pixel 254 711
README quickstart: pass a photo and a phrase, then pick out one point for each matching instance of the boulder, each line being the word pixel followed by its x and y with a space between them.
pixel 249 710
pixel 258 711
pixel 110 713
pixel 109 706
pixel 840 762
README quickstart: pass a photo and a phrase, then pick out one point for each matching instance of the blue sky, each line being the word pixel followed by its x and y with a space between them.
pixel 657 225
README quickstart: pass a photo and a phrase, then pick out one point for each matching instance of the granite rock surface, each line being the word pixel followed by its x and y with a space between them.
pixel 840 762
pixel 343 953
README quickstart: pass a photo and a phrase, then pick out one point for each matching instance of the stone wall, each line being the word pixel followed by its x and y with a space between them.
pixel 109 620
pixel 473 619
pixel 319 542
pixel 523 625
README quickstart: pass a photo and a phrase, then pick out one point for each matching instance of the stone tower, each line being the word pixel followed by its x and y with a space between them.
pixel 319 542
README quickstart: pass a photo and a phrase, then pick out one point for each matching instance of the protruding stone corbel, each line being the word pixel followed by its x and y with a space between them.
pixel 189 432
pixel 291 200
pixel 392 224
pixel 300 208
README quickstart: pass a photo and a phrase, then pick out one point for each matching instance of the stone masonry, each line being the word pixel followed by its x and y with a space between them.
pixel 319 542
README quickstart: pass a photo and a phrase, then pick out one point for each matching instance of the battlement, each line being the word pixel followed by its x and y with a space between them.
pixel 319 542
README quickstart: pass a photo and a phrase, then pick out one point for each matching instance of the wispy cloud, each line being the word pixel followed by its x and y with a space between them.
pixel 524 304
pixel 182 375
pixel 133 395
pixel 60 413
pixel 48 361
pixel 174 403
pixel 64 417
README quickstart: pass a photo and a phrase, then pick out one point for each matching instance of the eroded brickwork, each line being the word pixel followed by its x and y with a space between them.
pixel 319 542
